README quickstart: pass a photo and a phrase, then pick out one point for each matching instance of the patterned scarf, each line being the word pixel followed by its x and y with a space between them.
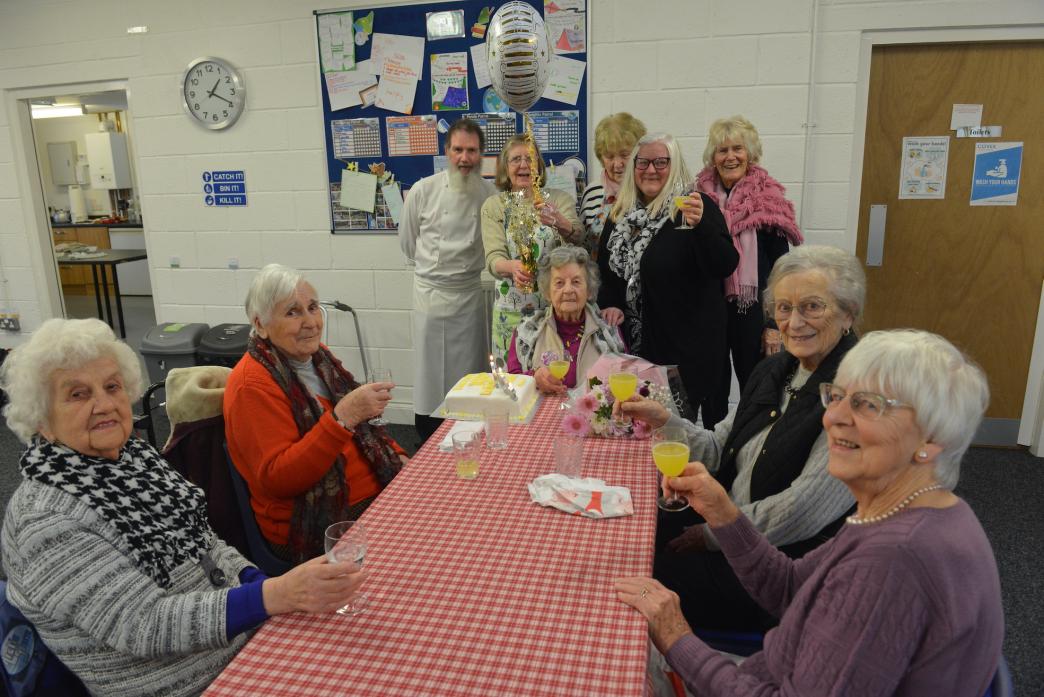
pixel 160 515
pixel 603 339
pixel 631 234
pixel 327 501
pixel 755 201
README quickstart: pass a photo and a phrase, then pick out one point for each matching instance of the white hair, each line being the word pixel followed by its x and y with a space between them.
pixel 947 390
pixel 630 196
pixel 272 285
pixel 559 257
pixel 59 344
pixel 844 272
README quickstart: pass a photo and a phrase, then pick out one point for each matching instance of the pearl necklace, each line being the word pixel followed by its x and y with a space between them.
pixel 856 520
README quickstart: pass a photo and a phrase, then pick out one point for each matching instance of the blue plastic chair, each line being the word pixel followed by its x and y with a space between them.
pixel 260 553
pixel 29 666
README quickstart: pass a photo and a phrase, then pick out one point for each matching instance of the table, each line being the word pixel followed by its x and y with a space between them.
pixel 475 590
pixel 111 258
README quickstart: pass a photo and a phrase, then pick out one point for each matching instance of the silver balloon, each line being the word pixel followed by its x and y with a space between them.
pixel 518 50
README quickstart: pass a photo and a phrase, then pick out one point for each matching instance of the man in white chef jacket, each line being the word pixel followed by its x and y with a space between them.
pixel 440 230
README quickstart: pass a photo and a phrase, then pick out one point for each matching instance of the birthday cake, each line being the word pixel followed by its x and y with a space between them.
pixel 476 394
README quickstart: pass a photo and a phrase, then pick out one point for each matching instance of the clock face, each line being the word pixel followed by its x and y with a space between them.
pixel 213 93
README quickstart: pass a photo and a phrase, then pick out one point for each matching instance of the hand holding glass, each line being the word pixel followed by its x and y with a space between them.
pixel 346 541
pixel 559 365
pixel 379 375
pixel 670 452
pixel 682 193
pixel 623 385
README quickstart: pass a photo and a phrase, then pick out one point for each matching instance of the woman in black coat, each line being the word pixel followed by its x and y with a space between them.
pixel 665 283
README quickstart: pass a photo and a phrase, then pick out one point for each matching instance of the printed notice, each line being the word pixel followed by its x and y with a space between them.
pixel 336 41
pixel 412 135
pixel 449 81
pixel 995 178
pixel 480 65
pixel 345 88
pixel 556 131
pixel 965 116
pixel 922 172
pixel 393 199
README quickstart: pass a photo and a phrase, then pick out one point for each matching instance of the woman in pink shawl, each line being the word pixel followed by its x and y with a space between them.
pixel 762 224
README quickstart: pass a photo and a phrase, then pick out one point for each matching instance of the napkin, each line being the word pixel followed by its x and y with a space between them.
pixel 591 498
pixel 458 427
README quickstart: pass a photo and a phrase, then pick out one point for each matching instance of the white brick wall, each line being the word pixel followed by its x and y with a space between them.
pixel 676 64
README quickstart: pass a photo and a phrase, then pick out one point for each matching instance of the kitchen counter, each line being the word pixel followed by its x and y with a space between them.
pixel 94 224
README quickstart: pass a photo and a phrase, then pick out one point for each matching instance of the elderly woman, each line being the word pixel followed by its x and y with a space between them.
pixel 615 137
pixel 297 422
pixel 571 326
pixel 107 549
pixel 665 281
pixel 771 453
pixel 557 221
pixel 761 221
pixel 906 599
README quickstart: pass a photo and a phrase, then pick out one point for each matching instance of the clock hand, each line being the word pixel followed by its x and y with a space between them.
pixel 214 88
pixel 224 100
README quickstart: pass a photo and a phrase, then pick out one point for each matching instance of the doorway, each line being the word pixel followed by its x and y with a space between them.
pixel 84 154
pixel 970 273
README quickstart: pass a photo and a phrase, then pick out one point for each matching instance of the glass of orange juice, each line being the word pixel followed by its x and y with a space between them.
pixel 623 385
pixel 467 449
pixel 670 451
pixel 680 200
pixel 559 365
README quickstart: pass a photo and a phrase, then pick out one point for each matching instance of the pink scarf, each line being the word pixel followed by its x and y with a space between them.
pixel 756 201
pixel 611 189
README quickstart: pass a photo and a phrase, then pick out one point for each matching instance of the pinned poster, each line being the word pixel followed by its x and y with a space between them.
pixel 336 41
pixel 393 199
pixel 406 52
pixel 480 65
pixel 449 81
pixel 566 22
pixel 995 177
pixel 567 74
pixel 345 88
pixel 965 116
pixel 563 179
pixel 358 190
pixel 922 172
pixel 396 90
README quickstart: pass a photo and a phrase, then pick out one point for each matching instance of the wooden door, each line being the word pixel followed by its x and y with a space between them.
pixel 71 277
pixel 970 273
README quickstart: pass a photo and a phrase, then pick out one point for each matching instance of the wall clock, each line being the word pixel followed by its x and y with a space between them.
pixel 213 93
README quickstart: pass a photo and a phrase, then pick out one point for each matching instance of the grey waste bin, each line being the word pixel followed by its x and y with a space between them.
pixel 223 345
pixel 171 345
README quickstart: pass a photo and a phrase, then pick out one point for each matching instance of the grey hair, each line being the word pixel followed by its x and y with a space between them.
pixel 733 128
pixel 948 391
pixel 843 270
pixel 559 257
pixel 59 344
pixel 271 286
pixel 629 194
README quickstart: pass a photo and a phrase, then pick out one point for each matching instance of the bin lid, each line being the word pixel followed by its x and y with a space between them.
pixel 229 340
pixel 173 338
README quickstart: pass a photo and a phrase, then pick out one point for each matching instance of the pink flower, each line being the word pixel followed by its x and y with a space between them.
pixel 642 430
pixel 576 424
pixel 588 403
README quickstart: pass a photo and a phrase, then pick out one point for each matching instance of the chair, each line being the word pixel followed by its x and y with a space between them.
pixel 144 421
pixel 260 553
pixel 29 666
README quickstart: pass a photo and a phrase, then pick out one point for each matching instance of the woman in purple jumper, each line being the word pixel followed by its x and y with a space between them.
pixel 905 600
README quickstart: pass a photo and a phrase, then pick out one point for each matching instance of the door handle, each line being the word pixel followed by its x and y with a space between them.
pixel 875 237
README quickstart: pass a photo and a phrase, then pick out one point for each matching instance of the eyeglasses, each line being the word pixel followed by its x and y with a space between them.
pixel 518 159
pixel 659 163
pixel 809 309
pixel 869 405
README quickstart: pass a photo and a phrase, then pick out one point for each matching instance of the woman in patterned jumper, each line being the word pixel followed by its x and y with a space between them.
pixel 558 222
pixel 905 600
pixel 107 549
pixel 614 140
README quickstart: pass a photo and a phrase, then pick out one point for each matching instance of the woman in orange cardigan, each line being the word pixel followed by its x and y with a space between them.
pixel 296 421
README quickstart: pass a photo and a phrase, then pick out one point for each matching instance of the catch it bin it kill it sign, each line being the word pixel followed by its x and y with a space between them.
pixel 224 188
pixel 995 178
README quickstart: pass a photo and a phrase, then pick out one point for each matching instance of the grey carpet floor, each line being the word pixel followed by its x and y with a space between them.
pixel 1004 488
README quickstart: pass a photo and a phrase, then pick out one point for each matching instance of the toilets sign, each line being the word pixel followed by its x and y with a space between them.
pixel 224 188
pixel 995 178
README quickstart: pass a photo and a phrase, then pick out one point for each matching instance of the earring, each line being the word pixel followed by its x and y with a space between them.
pixel 846 332
pixel 923 454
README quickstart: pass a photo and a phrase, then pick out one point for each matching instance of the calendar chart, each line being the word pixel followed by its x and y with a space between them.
pixel 412 135
pixel 356 138
pixel 556 131
pixel 498 129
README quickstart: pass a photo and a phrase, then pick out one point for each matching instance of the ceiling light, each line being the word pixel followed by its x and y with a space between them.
pixel 53 112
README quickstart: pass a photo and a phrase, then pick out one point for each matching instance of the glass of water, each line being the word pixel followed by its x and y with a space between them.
pixel 346 541
pixel 379 375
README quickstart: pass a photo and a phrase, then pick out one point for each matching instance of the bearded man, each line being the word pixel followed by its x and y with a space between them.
pixel 440 231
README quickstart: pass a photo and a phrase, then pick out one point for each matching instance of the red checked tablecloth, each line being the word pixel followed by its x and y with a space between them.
pixel 474 590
